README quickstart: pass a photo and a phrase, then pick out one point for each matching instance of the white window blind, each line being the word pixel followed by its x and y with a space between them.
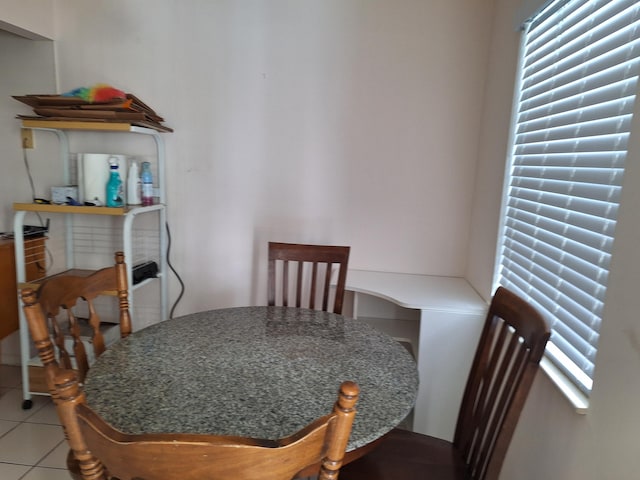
pixel 578 84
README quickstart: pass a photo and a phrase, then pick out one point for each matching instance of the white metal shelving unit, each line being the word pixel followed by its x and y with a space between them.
pixel 127 215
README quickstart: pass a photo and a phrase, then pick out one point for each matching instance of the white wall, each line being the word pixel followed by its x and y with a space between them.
pixel 551 440
pixel 27 66
pixel 348 122
pixel 28 18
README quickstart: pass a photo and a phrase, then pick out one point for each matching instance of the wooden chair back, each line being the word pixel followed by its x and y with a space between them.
pixel 511 346
pixel 58 331
pixel 301 274
pixel 104 452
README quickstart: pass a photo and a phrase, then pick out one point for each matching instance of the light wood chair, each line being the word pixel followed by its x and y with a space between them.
pixel 306 287
pixel 105 453
pixel 508 355
pixel 57 331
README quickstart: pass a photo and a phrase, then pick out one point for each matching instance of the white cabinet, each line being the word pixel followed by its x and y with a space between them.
pixel 441 317
pixel 89 236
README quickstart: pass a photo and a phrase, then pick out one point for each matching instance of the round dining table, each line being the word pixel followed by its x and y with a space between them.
pixel 262 372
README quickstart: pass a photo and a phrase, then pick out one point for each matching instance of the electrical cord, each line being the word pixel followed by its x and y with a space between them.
pixel 42 224
pixel 26 166
pixel 182 288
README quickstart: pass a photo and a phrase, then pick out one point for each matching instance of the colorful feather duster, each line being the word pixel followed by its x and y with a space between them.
pixel 99 93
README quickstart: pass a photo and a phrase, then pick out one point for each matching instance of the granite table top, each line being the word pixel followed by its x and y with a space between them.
pixel 263 372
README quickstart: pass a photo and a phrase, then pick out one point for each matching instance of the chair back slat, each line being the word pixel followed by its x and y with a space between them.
pixel 314 285
pixel 203 457
pixel 313 268
pixel 509 351
pixel 79 351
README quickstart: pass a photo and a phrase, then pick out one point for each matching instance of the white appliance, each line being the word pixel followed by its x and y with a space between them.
pixel 93 174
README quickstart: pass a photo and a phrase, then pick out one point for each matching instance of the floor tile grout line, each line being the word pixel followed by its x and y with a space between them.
pixel 37 464
pixel 33 467
pixel 27 472
pixel 17 463
pixel 17 424
pixel 41 459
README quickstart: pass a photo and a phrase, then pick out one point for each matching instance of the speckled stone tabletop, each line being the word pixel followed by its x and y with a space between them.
pixel 261 372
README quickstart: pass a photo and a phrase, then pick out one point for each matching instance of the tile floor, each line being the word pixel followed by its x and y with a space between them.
pixel 32 444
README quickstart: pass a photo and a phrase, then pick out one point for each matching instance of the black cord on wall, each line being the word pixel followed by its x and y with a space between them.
pixel 182 288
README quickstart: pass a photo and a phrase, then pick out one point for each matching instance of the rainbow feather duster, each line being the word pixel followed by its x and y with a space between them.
pixel 98 93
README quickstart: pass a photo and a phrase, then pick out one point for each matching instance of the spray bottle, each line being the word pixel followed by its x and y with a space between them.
pixel 115 193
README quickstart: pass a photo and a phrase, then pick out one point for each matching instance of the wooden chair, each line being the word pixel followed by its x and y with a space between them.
pixel 510 348
pixel 58 297
pixel 305 287
pixel 104 452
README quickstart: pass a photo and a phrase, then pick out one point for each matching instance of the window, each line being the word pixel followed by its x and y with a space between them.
pixel 577 89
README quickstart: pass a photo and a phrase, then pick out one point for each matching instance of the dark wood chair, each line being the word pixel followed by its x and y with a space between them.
pixel 104 452
pixel 510 349
pixel 58 331
pixel 290 261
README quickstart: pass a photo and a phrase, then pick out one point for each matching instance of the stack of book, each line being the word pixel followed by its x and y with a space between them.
pixel 130 110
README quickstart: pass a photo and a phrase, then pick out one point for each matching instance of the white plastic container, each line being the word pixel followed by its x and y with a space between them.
pixel 133 185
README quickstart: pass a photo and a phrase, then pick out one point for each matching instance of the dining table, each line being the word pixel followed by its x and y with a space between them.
pixel 261 372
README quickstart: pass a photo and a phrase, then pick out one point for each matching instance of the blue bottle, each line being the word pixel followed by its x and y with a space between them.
pixel 115 196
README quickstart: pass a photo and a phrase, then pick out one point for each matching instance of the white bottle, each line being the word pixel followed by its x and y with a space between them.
pixel 133 185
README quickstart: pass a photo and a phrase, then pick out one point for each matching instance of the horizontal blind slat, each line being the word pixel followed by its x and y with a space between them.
pixel 529 211
pixel 567 196
pixel 551 8
pixel 607 126
pixel 545 26
pixel 621 92
pixel 614 107
pixel 589 280
pixel 590 70
pixel 607 177
pixel 582 243
pixel 578 19
pixel 589 159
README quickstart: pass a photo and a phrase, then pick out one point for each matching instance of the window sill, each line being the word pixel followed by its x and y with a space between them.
pixel 578 400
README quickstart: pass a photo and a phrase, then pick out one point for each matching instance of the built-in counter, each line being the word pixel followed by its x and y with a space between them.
pixel 440 318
